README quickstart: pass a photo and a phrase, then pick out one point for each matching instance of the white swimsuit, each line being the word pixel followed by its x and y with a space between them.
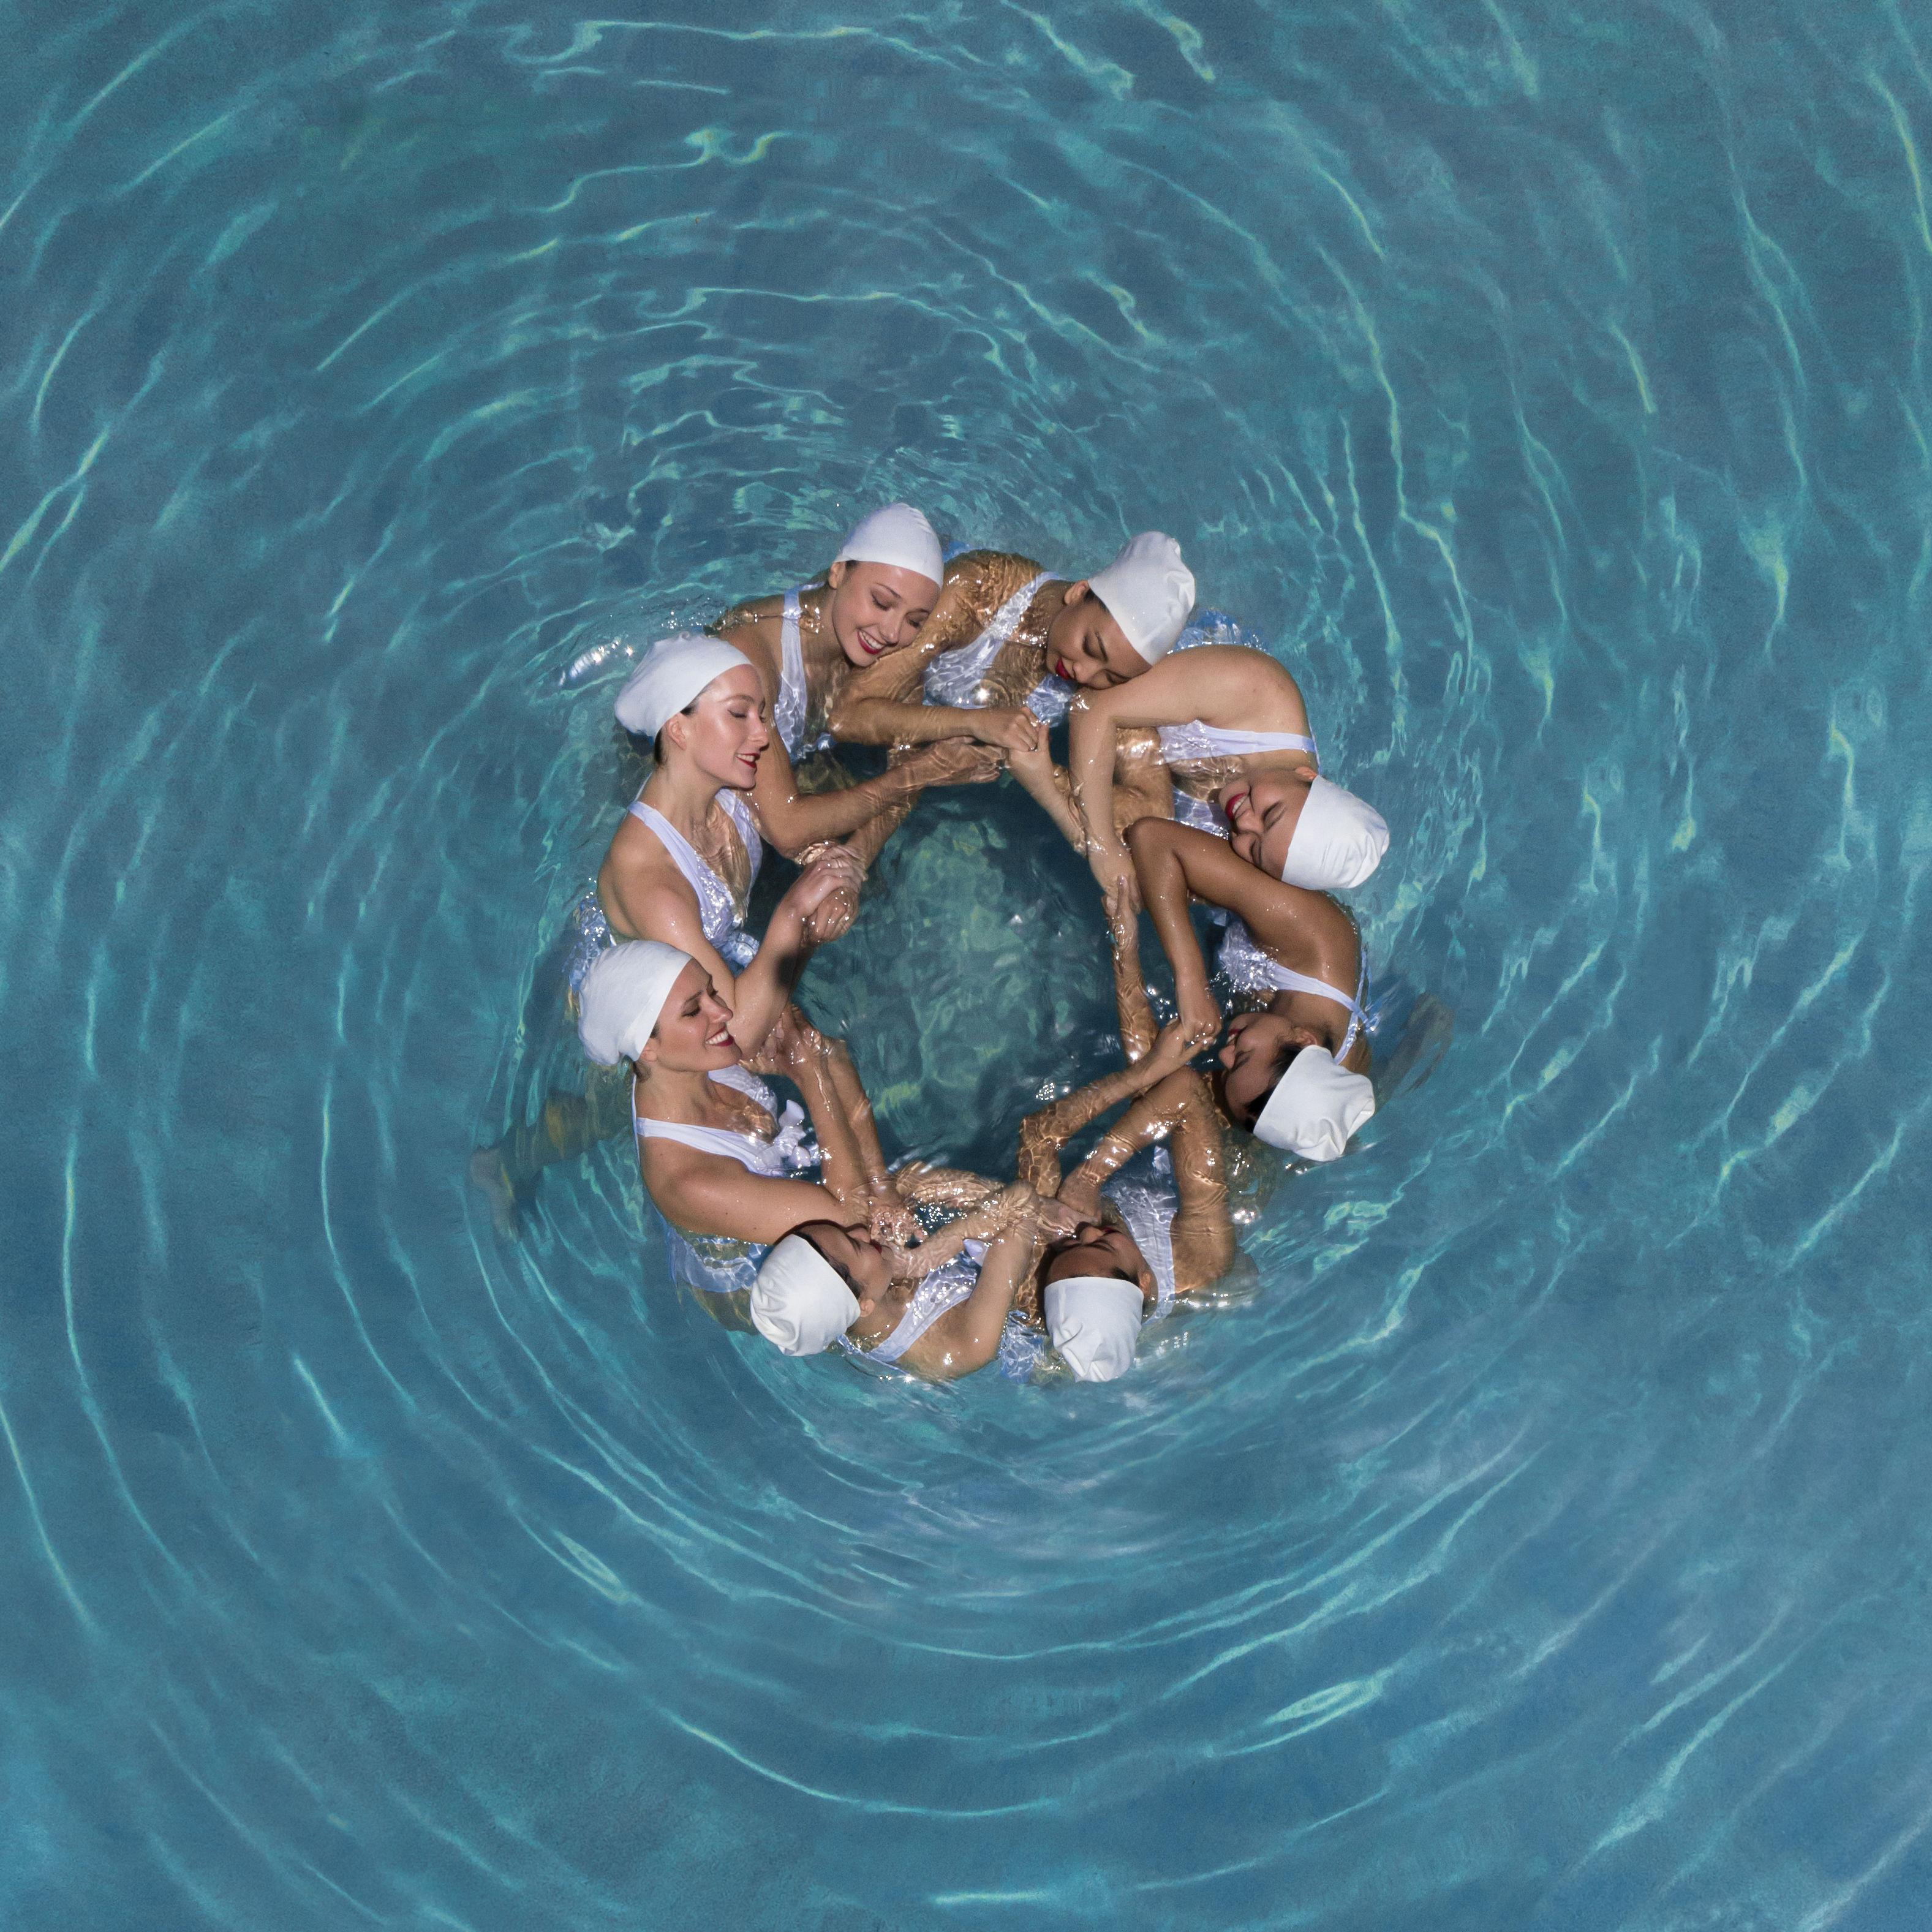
pixel 1252 970
pixel 793 706
pixel 1148 1206
pixel 1195 743
pixel 941 1292
pixel 720 914
pixel 1191 743
pixel 958 676
pixel 719 1264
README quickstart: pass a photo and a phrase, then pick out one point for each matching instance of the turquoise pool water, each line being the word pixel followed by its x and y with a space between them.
pixel 1540 1543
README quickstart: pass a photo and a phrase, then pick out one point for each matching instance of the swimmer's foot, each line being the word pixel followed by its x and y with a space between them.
pixel 489 1171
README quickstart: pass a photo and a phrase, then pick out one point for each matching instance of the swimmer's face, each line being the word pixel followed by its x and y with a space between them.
pixel 1253 1057
pixel 1262 813
pixel 692 1034
pixel 857 1259
pixel 1095 1248
pixel 876 607
pixel 1085 646
pixel 726 728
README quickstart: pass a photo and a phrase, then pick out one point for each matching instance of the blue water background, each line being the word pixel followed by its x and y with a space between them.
pixel 1542 1544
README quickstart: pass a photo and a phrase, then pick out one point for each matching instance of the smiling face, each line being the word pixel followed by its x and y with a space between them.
pixel 876 607
pixel 724 730
pixel 1262 812
pixel 1253 1058
pixel 1086 646
pixel 1098 1247
pixel 860 1262
pixel 691 1035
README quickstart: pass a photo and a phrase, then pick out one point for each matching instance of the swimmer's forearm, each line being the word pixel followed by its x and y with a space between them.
pixel 1163 881
pixel 1130 994
pixel 1043 1134
pixel 1008 1261
pixel 878 720
pixel 763 990
pixel 1153 1118
pixel 1090 765
pixel 798 820
pixel 869 841
pixel 1054 795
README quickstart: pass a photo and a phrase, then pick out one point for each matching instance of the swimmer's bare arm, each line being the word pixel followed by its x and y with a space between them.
pixel 1138 1029
pixel 1172 861
pixel 1180 1110
pixel 881 704
pixel 954 1187
pixel 1043 1134
pixel 712 1194
pixel 642 902
pixel 1046 784
pixel 850 1160
pixel 1222 684
pixel 792 820
pixel 997 1210
pixel 968 1337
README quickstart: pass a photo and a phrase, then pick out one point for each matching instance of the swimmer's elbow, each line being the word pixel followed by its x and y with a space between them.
pixel 1147 836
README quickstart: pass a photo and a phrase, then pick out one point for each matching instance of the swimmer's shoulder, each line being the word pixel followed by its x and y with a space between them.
pixel 755 627
pixel 752 610
pixel 991 575
pixel 638 862
pixel 1241 662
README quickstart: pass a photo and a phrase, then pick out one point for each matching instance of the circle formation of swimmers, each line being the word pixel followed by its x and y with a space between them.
pixel 1192 776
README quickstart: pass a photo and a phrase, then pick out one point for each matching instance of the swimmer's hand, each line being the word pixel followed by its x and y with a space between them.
pixel 1199 1024
pixel 833 917
pixel 1174 1046
pixel 1057 1221
pixel 1034 769
pixel 824 897
pixel 893 1224
pixel 1012 729
pixel 954 761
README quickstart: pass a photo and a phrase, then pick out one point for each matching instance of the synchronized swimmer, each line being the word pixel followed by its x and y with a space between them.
pixel 1192 777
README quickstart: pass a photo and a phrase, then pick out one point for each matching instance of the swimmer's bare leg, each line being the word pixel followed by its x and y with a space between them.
pixel 567 1127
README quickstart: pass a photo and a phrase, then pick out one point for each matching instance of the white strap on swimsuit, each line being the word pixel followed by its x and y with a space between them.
pixel 718 912
pixel 1254 971
pixel 788 714
pixel 785 1150
pixel 941 1292
pixel 1190 743
pixel 1194 742
pixel 958 676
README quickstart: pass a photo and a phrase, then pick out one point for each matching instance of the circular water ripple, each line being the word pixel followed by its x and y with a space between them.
pixel 1539 1544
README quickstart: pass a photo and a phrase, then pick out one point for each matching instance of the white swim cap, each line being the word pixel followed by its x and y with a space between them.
pixel 899 535
pixel 621 996
pixel 1150 592
pixel 799 1303
pixel 675 670
pixel 1094 1321
pixel 1339 841
pixel 1315 1107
